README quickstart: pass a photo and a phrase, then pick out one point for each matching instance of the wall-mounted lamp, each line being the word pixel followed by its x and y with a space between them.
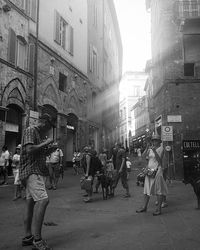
pixel 52 60
pixel 6 8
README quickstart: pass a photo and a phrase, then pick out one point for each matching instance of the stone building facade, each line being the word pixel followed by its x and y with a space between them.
pixel 52 71
pixel 174 83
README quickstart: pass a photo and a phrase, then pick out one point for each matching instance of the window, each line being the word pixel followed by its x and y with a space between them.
pixel 17 50
pixel 94 64
pixel 95 16
pixel 30 8
pixel 188 69
pixel 64 34
pixel 21 54
pixel 62 82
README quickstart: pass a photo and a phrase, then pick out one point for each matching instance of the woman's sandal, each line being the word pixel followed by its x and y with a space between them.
pixel 156 213
pixel 142 210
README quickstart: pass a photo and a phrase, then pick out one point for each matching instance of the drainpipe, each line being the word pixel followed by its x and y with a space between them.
pixel 36 59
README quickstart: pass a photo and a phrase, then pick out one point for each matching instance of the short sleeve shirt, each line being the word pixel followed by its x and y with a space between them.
pixel 55 156
pixel 121 154
pixel 32 163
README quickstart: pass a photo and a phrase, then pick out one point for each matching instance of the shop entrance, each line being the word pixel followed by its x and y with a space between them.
pixel 191 158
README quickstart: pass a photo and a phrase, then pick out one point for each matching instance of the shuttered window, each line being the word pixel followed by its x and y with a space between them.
pixel 12 47
pixel 33 10
pixel 94 61
pixel 63 33
pixel 31 57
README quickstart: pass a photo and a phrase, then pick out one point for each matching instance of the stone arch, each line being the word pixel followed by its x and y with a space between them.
pixel 73 102
pixel 50 96
pixel 14 93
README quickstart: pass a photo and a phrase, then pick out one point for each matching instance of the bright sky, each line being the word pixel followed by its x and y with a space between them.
pixel 134 23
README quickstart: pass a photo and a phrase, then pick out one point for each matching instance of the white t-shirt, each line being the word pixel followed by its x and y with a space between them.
pixel 55 156
pixel 4 156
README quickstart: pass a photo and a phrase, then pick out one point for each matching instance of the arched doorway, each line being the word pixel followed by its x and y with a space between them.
pixel 72 125
pixel 13 129
pixel 53 113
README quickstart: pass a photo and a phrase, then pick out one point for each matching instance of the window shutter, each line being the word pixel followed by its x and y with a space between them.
pixel 57 27
pixel 12 47
pixel 27 3
pixel 91 57
pixel 71 48
pixel 31 57
pixel 33 12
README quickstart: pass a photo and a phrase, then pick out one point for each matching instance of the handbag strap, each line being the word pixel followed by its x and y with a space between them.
pixel 157 156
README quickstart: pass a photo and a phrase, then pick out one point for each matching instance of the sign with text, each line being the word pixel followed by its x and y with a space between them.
pixel 174 118
pixel 167 133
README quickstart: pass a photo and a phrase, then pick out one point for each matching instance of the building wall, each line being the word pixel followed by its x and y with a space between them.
pixel 175 93
pixel 75 14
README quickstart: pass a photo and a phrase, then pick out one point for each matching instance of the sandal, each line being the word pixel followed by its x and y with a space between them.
pixel 156 213
pixel 142 210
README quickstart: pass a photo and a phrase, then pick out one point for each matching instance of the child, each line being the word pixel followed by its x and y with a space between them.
pixel 15 167
pixel 128 165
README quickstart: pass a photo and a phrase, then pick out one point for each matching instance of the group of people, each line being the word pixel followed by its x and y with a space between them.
pixel 92 164
pixel 40 157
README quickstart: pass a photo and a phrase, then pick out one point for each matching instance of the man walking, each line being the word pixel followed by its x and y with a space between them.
pixel 32 173
pixel 55 163
pixel 121 169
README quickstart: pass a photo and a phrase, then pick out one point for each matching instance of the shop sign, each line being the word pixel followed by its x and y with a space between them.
pixel 167 133
pixel 174 118
pixel 10 127
pixel 191 144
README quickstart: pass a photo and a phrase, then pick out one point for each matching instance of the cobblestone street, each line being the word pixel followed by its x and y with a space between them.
pixel 112 224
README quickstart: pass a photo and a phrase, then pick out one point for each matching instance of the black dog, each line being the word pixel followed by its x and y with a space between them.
pixel 106 185
pixel 195 182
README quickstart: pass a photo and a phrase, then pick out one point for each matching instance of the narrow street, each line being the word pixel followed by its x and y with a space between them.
pixel 112 224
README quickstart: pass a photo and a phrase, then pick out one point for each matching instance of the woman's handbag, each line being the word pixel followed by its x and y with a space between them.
pixel 150 172
pixel 86 183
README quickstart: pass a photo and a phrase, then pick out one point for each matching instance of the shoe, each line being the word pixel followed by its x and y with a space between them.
pixel 156 213
pixel 126 195
pixel 16 198
pixel 6 183
pixel 85 195
pixel 164 204
pixel 41 245
pixel 95 192
pixel 50 187
pixel 27 241
pixel 142 210
pixel 86 200
pixel 54 187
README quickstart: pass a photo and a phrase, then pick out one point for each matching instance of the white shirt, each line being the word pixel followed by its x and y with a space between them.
pixel 55 156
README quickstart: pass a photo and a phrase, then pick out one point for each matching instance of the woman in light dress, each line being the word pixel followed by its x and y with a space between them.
pixel 154 185
pixel 15 168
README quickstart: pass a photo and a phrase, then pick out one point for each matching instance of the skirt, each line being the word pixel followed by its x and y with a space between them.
pixel 159 186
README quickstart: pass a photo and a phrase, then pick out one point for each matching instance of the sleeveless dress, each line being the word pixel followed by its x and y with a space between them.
pixel 157 185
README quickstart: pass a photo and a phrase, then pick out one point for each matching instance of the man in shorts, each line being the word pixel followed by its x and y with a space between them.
pixel 32 173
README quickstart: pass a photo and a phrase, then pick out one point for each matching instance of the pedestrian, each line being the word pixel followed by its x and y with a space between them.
pixel 4 163
pixel 54 164
pixel 103 157
pixel 76 161
pixel 15 169
pixel 154 182
pixel 92 165
pixel 114 154
pixel 121 169
pixel 128 166
pixel 32 173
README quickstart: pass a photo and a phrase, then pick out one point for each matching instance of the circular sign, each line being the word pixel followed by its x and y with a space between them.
pixel 168 148
pixel 167 129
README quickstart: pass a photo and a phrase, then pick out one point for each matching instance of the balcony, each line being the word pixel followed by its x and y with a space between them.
pixel 188 9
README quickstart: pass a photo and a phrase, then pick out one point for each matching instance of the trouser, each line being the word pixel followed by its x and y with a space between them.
pixel 123 177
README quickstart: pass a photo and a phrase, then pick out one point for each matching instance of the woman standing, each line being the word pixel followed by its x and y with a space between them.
pixel 154 184
pixel 15 167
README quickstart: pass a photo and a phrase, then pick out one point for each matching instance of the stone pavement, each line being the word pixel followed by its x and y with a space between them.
pixel 102 225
